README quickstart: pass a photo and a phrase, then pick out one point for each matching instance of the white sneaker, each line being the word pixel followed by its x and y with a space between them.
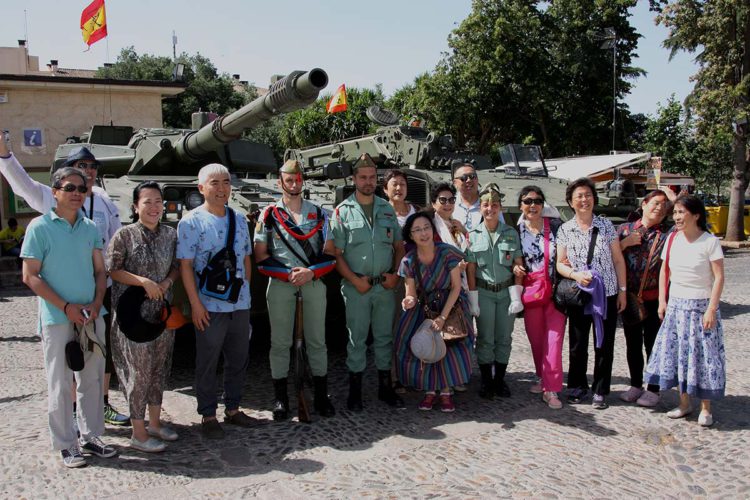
pixel 631 395
pixel 679 412
pixel 648 399
pixel 705 419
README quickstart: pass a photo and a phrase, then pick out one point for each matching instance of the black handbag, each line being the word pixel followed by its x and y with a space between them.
pixel 567 292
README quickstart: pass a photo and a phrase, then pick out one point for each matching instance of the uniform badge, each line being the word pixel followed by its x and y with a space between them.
pixel 312 216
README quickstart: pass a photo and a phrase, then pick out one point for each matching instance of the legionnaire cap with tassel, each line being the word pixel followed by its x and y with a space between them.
pixel 491 192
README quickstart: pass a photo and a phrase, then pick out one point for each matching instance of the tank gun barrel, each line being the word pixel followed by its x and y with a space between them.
pixel 295 91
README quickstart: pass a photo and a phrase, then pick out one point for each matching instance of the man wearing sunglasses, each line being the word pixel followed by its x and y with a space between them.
pixel 96 206
pixel 63 265
pixel 467 210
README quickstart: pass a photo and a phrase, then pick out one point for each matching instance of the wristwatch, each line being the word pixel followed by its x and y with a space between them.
pixel 623 289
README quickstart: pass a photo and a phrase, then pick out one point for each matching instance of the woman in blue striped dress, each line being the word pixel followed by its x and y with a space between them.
pixel 438 266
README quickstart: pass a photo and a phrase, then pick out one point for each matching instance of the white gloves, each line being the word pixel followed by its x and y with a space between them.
pixel 516 306
pixel 474 302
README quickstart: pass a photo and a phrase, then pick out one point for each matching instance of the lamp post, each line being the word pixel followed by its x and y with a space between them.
pixel 609 38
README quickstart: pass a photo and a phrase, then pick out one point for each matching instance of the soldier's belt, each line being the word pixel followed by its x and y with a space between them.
pixel 374 280
pixel 494 287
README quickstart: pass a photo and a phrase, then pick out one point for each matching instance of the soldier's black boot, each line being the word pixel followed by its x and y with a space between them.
pixel 321 403
pixel 486 391
pixel 354 401
pixel 280 399
pixel 386 392
pixel 501 388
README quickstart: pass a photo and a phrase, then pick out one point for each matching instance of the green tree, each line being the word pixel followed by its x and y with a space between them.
pixel 207 89
pixel 668 135
pixel 313 125
pixel 527 68
pixel 719 31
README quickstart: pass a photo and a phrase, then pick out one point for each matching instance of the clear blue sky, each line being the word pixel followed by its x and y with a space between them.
pixel 357 43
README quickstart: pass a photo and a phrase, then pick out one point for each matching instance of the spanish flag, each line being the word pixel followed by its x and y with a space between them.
pixel 94 22
pixel 338 100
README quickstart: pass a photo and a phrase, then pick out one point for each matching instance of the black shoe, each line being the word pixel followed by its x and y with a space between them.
pixel 501 387
pixel 386 392
pixel 486 390
pixel 322 403
pixel 281 399
pixel 211 429
pixel 354 401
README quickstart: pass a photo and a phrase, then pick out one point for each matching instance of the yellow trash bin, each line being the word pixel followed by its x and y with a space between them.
pixel 747 221
pixel 717 219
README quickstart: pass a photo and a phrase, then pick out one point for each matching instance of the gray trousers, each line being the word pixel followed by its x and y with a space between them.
pixel 89 392
pixel 227 333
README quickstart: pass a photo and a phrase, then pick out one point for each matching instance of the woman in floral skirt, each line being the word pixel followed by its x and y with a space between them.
pixel 689 348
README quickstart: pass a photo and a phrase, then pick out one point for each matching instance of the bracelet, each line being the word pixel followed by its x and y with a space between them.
pixel 442 317
pixel 6 157
pixel 171 282
pixel 65 308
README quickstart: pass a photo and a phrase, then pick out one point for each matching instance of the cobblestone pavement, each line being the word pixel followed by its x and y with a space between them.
pixel 515 447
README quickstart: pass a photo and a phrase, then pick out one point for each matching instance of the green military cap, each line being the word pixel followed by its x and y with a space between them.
pixel 491 192
pixel 364 161
pixel 291 167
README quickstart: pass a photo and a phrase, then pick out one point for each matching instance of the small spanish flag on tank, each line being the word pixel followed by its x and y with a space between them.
pixel 338 100
pixel 94 22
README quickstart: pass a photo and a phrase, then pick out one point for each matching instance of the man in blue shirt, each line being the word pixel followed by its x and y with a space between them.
pixel 63 265
pixel 220 326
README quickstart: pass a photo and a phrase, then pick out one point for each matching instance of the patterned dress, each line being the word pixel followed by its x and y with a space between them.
pixel 142 367
pixel 455 368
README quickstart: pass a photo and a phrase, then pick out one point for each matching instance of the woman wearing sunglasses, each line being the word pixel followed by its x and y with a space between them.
pixel 545 325
pixel 142 254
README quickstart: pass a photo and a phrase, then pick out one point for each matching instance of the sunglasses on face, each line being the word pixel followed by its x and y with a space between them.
pixel 532 201
pixel 84 165
pixel 443 200
pixel 70 187
pixel 467 177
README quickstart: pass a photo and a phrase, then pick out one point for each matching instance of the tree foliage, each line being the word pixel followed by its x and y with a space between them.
pixel 528 69
pixel 719 32
pixel 207 89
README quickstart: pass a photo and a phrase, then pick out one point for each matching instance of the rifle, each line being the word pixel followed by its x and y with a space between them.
pixel 301 366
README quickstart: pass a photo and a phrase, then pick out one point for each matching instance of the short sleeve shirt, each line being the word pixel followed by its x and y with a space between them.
pixel 532 246
pixel 468 215
pixel 66 254
pixel 368 249
pixel 576 242
pixel 7 234
pixel 280 249
pixel 494 256
pixel 200 235
pixel 691 276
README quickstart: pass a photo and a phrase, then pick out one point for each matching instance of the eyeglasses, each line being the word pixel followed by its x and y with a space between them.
pixel 443 200
pixel 83 165
pixel 467 177
pixel 532 201
pixel 583 196
pixel 70 187
pixel 423 229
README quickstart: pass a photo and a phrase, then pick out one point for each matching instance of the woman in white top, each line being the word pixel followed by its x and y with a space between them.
pixel 689 348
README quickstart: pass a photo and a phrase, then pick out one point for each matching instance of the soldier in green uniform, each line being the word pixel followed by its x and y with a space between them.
pixel 494 249
pixel 289 240
pixel 368 248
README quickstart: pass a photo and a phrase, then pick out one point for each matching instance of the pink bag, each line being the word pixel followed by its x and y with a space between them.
pixel 537 288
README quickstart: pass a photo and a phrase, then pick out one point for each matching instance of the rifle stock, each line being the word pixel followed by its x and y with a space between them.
pixel 300 361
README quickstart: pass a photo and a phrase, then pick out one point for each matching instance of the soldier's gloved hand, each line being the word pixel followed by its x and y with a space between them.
pixel 516 306
pixel 474 302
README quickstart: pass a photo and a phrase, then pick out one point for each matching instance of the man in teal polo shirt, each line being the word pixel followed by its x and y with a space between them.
pixel 368 248
pixel 63 265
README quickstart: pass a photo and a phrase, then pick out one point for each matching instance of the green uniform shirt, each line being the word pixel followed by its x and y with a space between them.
pixel 494 253
pixel 368 249
pixel 277 248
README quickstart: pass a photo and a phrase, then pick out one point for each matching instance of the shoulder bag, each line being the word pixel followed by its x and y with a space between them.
pixel 537 288
pixel 454 326
pixel 567 292
pixel 635 312
pixel 220 278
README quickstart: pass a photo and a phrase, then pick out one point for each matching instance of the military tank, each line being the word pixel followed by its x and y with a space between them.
pixel 428 159
pixel 173 157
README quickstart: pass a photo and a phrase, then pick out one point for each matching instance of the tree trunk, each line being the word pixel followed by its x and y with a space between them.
pixel 736 220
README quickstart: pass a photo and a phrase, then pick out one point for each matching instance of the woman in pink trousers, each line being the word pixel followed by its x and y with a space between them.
pixel 545 325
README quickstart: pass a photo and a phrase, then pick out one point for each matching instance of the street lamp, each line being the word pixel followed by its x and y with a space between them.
pixel 609 38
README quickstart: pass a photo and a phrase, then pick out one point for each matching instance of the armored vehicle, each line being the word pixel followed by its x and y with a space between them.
pixel 428 159
pixel 173 157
